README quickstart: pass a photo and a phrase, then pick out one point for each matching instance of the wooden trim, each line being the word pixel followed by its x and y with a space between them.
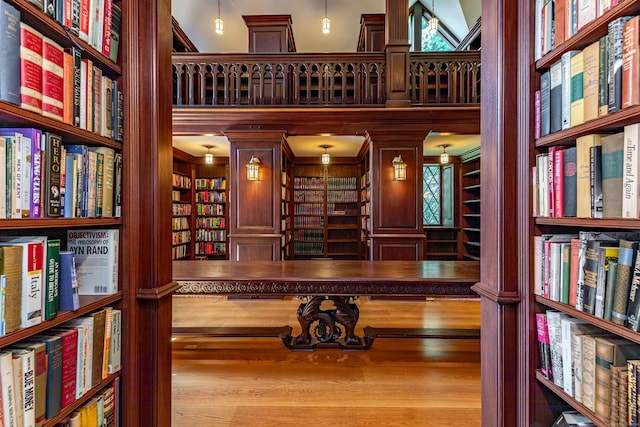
pixel 500 298
pixel 183 156
pixel 180 37
pixel 472 36
pixel 159 292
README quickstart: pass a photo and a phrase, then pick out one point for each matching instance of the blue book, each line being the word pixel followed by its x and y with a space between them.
pixel 69 190
pixel 68 299
pixel 81 153
pixel 10 53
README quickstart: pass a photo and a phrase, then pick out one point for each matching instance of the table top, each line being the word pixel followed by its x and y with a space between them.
pixel 314 277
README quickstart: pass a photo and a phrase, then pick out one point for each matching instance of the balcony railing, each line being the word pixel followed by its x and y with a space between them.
pixel 332 79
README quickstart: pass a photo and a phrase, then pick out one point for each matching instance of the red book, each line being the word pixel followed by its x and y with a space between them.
pixel 630 64
pixel 30 68
pixel 558 183
pixel 52 79
pixel 69 363
pixel 84 20
pixel 67 13
pixel 106 33
pixel 544 345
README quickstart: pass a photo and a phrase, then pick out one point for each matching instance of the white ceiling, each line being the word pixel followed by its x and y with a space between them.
pixel 196 20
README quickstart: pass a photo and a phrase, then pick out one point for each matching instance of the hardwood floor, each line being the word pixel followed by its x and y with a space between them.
pixel 258 382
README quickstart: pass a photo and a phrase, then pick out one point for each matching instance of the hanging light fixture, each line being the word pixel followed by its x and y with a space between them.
pixel 444 157
pixel 219 22
pixel 325 156
pixel 208 158
pixel 253 168
pixel 399 168
pixel 432 24
pixel 326 22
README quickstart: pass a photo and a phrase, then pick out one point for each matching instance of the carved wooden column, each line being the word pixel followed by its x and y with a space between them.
pixel 254 214
pixel 397 54
pixel 146 241
pixel 396 206
pixel 504 210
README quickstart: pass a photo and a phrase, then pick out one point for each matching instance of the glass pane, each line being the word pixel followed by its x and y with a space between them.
pixel 431 194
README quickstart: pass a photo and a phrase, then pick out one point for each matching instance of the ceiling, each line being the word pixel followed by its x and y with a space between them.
pixel 196 20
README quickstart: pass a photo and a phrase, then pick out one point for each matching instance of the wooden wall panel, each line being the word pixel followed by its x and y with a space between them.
pixel 249 248
pixel 402 248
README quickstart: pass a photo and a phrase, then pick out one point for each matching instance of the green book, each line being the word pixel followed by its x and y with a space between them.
pixel 51 279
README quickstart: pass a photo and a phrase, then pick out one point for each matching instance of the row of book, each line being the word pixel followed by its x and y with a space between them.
pixel 40 75
pixel 211 183
pixel 572 419
pixel 211 197
pixel 47 372
pixel 585 361
pixel 558 20
pixel 41 280
pixel 45 178
pixel 97 22
pixel 181 181
pixel 103 409
pixel 595 272
pixel 597 178
pixel 586 84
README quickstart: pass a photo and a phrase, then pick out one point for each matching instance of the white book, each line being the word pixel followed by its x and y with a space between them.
pixel 85 352
pixel 555 265
pixel 587 11
pixel 115 350
pixel 33 259
pixel 98 24
pixel 8 389
pixel 18 386
pixel 569 327
pixel 630 171
pixel 83 94
pixel 17 185
pixel 96 255
pixel 538 30
pixel 538 249
pixel 566 87
pixel 542 167
pixel 554 322
pixel 24 359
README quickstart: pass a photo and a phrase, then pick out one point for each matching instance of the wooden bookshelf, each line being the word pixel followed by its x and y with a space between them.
pixel 210 204
pixel 182 211
pixel 441 243
pixel 470 209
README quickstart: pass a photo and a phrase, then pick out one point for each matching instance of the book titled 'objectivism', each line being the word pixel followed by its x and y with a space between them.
pixel 96 257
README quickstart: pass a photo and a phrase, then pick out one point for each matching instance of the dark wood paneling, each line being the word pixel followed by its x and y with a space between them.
pixel 270 33
pixel 398 248
pixel 372 37
pixel 250 248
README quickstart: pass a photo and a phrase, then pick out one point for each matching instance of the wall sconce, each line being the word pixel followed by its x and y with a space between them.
pixel 444 157
pixel 432 24
pixel 208 158
pixel 325 157
pixel 252 169
pixel 326 22
pixel 399 168
pixel 219 22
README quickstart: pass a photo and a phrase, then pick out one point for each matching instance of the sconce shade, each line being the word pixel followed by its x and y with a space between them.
pixel 219 23
pixel 326 22
pixel 399 168
pixel 253 168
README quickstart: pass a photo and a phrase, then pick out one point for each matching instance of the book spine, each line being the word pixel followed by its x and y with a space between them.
pixel 52 80
pixel 75 16
pixel 30 68
pixel 36 173
pixel 558 183
pixel 116 18
pixel 596 181
pixel 51 279
pixel 576 106
pixel 106 34
pixel 603 75
pixel 630 172
pixel 10 52
pixel 84 20
pixel 68 82
pixel 54 152
pixel 566 89
pixel 543 345
pixel 555 97
pixel 630 46
pixel 569 182
pixel 69 366
pixel 545 87
pixel 615 62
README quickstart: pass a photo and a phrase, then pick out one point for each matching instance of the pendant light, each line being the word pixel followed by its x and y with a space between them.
pixel 444 157
pixel 432 24
pixel 326 22
pixel 219 22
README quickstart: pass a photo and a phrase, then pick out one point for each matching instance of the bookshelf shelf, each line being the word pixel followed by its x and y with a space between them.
pixel 211 207
pixel 469 247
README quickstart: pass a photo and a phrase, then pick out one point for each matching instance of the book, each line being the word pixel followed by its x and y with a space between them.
pixel 68 299
pixel 53 348
pixel 99 323
pixel 79 332
pixel 587 12
pixel 116 19
pixel 596 181
pixel 603 77
pixel 576 109
pixel 632 269
pixel 632 372
pixel 610 351
pixel 106 28
pixel 630 64
pixel 85 372
pixel 569 169
pixel 609 297
pixel 16 176
pixel 591 59
pixel 567 87
pixel 96 256
pixel 588 371
pixel 40 380
pixel 81 155
pixel 558 182
pixel 612 173
pixel 69 338
pixel 52 79
pixel 107 341
pixel 33 255
pixel 107 181
pixel 614 50
pixel 11 268
pixel 569 327
pixel 53 202
pixel 75 54
pixel 30 68
pixel 8 388
pixel 583 173
pixel 626 261
pixel 545 94
pixel 591 266
pixel 32 178
pixel 555 97
pixel 71 182
pixel 51 279
pixel 83 31
pixel 631 172
pixel 117 185
pixel 606 255
pixel 572 419
pixel 115 349
pixel 24 380
pixel 554 325
pixel 573 271
pixel 10 53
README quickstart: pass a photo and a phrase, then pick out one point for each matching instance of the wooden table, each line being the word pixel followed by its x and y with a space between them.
pixel 338 281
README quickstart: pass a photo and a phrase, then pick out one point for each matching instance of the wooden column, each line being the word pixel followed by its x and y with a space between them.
pixel 146 240
pixel 254 214
pixel 504 207
pixel 397 54
pixel 396 206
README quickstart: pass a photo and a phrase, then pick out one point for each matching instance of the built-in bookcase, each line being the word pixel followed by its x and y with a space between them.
pixel 547 399
pixel 470 237
pixel 365 214
pixel 286 210
pixel 211 204
pixel 182 204
pixel 55 225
